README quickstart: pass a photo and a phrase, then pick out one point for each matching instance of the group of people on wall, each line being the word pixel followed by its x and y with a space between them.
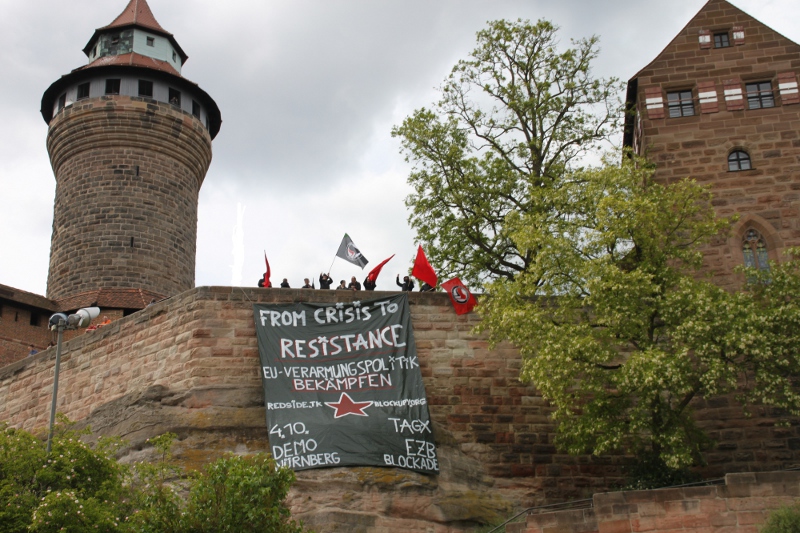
pixel 325 283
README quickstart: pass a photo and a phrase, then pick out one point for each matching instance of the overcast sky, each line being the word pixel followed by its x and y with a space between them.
pixel 309 91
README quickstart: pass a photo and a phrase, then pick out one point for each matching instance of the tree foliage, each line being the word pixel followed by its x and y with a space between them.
pixel 620 333
pixel 78 488
pixel 512 122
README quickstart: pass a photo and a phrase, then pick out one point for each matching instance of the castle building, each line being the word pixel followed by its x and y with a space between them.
pixel 720 105
pixel 129 140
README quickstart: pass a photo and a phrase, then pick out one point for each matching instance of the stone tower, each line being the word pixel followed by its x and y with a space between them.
pixel 130 143
pixel 720 104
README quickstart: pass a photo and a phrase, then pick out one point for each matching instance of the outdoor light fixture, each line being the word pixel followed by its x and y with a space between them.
pixel 59 322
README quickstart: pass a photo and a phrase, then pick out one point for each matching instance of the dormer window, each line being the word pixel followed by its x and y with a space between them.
pixel 151 41
pixel 721 40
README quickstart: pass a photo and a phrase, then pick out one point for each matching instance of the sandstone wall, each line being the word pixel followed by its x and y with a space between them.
pixel 190 365
pixel 741 505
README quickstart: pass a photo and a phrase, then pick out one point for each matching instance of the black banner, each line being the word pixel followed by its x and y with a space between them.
pixel 342 385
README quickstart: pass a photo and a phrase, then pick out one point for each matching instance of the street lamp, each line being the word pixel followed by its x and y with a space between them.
pixel 59 322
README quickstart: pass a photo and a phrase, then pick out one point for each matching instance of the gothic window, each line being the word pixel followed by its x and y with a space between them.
pixel 760 95
pixel 739 160
pixel 755 250
pixel 680 104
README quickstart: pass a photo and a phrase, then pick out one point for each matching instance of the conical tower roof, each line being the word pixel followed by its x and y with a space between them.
pixel 137 13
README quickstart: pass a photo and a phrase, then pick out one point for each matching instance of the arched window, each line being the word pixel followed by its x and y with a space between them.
pixel 755 250
pixel 738 160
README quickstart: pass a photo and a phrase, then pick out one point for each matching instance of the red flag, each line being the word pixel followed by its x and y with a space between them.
pixel 267 273
pixel 373 274
pixel 463 300
pixel 423 270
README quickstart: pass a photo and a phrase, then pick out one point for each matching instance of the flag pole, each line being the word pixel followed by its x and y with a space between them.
pixel 330 267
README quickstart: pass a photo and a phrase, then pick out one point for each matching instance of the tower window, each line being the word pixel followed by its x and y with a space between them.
pixel 83 91
pixel 112 86
pixel 738 160
pixel 721 40
pixel 680 104
pixel 755 250
pixel 115 39
pixel 174 56
pixel 195 108
pixel 94 51
pixel 174 97
pixel 760 95
pixel 151 41
pixel 62 101
pixel 146 88
pixel 34 319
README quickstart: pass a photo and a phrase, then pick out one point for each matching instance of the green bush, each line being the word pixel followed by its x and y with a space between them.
pixel 78 488
pixel 783 520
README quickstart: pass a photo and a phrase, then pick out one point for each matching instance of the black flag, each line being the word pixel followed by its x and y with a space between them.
pixel 349 252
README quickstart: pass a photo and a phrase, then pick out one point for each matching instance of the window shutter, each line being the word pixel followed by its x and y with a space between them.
pixel 705 38
pixel 707 95
pixel 654 100
pixel 787 85
pixel 737 32
pixel 734 99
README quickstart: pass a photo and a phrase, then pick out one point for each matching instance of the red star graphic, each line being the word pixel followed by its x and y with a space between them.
pixel 346 406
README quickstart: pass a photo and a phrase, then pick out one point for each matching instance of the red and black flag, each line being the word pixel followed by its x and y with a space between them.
pixel 463 300
pixel 349 252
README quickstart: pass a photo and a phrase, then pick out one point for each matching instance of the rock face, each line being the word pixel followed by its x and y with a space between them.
pixel 190 365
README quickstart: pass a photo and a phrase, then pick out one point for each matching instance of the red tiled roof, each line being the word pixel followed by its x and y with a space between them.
pixel 137 12
pixel 109 299
pixel 134 60
pixel 26 298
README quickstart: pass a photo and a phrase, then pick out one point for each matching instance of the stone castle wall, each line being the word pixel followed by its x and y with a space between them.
pixel 128 173
pixel 190 365
pixel 741 505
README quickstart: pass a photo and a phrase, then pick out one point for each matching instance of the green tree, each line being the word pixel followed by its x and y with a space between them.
pixel 620 333
pixel 241 494
pixel 512 123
